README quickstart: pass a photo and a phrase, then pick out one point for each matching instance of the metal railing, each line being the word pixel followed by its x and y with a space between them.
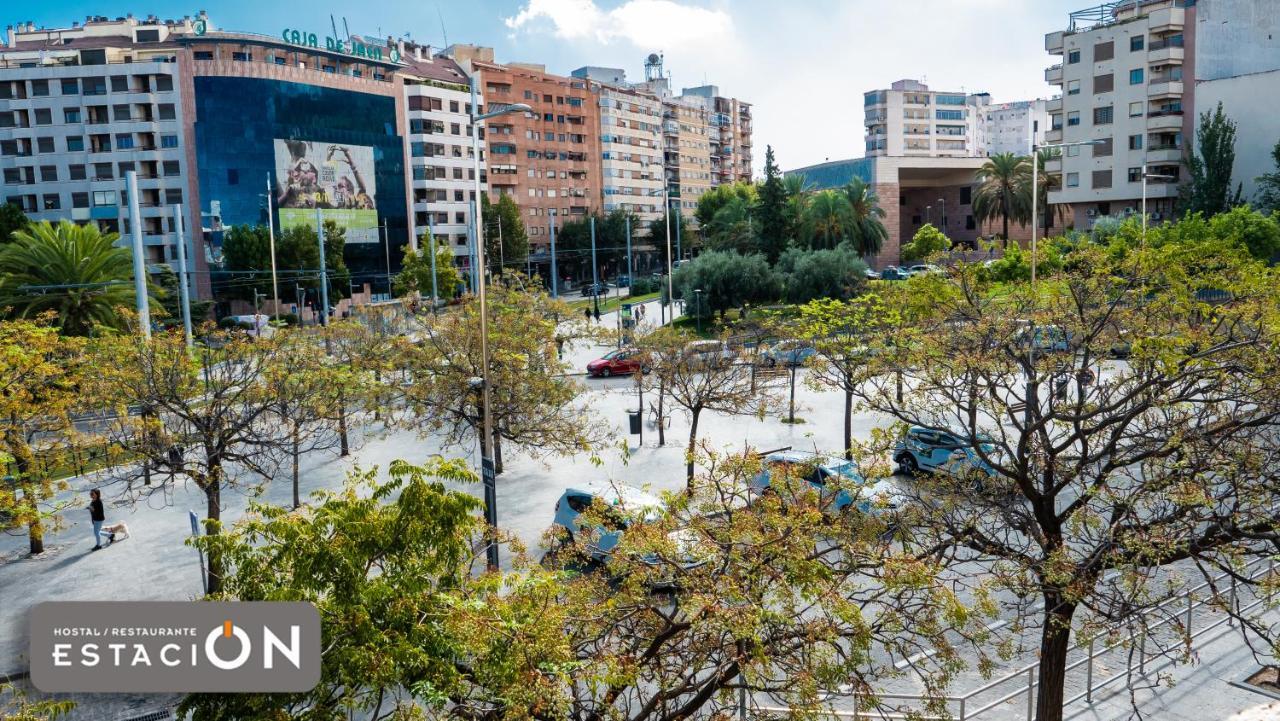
pixel 1023 680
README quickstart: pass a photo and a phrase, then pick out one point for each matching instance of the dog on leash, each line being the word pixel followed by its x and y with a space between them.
pixel 114 529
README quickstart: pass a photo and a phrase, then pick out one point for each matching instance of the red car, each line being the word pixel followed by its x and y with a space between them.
pixel 621 362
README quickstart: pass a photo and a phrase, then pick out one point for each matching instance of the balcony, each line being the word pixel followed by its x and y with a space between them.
pixel 1161 189
pixel 1053 42
pixel 1166 55
pixel 1053 136
pixel 1053 165
pixel 1164 120
pixel 1053 105
pixel 1162 88
pixel 1164 154
pixel 1167 20
pixel 1053 74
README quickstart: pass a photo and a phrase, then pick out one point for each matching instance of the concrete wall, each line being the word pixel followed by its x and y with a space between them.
pixel 1257 129
pixel 1236 37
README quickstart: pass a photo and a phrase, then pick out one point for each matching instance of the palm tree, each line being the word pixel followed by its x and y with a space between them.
pixel 1048 183
pixel 798 190
pixel 828 219
pixel 868 231
pixel 72 270
pixel 1002 191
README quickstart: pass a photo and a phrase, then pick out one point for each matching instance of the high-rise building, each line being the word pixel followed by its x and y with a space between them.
pixel 730 134
pixel 908 119
pixel 1013 127
pixel 687 141
pixel 630 142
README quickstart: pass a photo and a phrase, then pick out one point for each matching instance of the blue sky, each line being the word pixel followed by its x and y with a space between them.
pixel 803 63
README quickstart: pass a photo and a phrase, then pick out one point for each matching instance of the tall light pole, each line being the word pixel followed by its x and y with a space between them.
pixel 486 440
pixel 666 210
pixel 595 279
pixel 183 291
pixel 927 208
pixel 555 273
pixel 631 271
pixel 139 259
pixel 271 238
pixel 942 212
pixel 324 272
pixel 1152 176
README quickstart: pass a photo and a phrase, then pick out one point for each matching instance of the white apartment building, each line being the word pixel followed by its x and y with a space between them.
pixel 438 102
pixel 80 107
pixel 631 152
pixel 1122 85
pixel 1013 127
pixel 908 119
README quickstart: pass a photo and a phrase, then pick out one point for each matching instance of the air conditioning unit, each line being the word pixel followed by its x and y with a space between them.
pixel 1156 216
pixel 1129 212
pixel 1091 213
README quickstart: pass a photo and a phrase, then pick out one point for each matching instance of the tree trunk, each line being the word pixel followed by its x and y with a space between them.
pixel 345 446
pixel 662 432
pixel 23 462
pixel 213 512
pixel 297 500
pixel 848 424
pixel 791 408
pixel 1055 641
pixel 497 451
pixel 693 442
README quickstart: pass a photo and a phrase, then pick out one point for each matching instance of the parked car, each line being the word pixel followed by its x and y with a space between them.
pixel 871 273
pixel 933 451
pixel 893 272
pixel 591 289
pixel 924 268
pixel 622 281
pixel 709 353
pixel 621 362
pixel 788 353
pixel 1045 338
pixel 878 497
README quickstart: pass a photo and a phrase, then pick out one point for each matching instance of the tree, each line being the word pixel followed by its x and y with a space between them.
pixel 809 274
pixel 798 192
pixel 14 706
pixel 503 222
pixel 308 405
pixel 1047 183
pixel 532 402
pixel 867 230
pixel 1249 229
pixel 731 228
pixel 415 274
pixel 1269 185
pixel 835 329
pixel 771 210
pixel 927 242
pixel 246 253
pixel 40 374
pixel 727 280
pixel 696 383
pixel 680 228
pixel 166 282
pixel 71 270
pixel 828 219
pixel 1108 485
pixel 12 220
pixel 1002 192
pixel 209 419
pixel 710 202
pixel 1208 187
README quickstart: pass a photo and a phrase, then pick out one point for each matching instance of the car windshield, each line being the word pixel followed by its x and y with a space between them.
pixel 846 469
pixel 612 355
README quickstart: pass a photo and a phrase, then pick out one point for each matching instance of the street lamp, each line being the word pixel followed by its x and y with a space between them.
pixel 942 211
pixel 666 211
pixel 697 297
pixel 486 440
pixel 1152 176
pixel 927 208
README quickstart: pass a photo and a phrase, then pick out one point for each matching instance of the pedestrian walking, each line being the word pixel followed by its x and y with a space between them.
pixel 597 315
pixel 587 312
pixel 97 516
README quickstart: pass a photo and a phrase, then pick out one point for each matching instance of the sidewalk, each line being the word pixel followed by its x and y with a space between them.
pixel 578 355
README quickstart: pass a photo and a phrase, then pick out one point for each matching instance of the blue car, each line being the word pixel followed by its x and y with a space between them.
pixel 619 506
pixel 788 353
pixel 933 451
pixel 1046 339
pixel 872 497
pixel 892 272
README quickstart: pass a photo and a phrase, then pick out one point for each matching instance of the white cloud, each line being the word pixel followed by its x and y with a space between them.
pixel 643 23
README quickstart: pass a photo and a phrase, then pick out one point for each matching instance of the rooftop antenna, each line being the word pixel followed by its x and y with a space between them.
pixel 346 29
pixel 333 25
pixel 443 32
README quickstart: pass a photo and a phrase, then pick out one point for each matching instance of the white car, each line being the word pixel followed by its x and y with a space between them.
pixel 709 353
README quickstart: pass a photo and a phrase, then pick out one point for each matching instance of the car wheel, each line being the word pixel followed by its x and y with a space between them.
pixel 908 464
pixel 606 373
pixel 770 362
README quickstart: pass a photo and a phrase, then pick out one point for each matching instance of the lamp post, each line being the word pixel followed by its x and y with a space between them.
pixel 271 238
pixel 1152 176
pixel 942 211
pixel 927 208
pixel 486 440
pixel 666 211
pixel 697 307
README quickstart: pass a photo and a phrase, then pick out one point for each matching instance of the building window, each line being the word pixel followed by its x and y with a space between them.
pixel 1135 142
pixel 966 195
pixel 1103 115
pixel 76 172
pixel 1073 180
pixel 1102 179
pixel 171 168
pixel 1104 51
pixel 119 83
pixel 1103 83
pixel 39 88
pixel 168 141
pixel 949 114
pixel 124 141
pixel 164 83
pixel 166 111
pixel 52 201
pixel 48 173
pixel 241 57
pixel 103 198
pixel 1135 110
pixel 173 196
pixel 1103 149
pixel 1135 76
pixel 79 200
pixel 1136 43
pixel 44 116
pixel 71 115
pixel 1073 118
pixel 1073 87
pixel 1135 175
pixel 75 144
pixel 1072 151
pixel 1073 57
pixel 71 87
pixel 969 223
pixel 233 176
pixel 44 145
pixel 95 86
pixel 203 55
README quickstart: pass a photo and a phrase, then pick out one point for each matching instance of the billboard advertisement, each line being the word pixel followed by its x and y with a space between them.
pixel 337 178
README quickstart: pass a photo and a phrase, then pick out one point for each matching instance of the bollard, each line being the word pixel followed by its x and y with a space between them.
pixel 1031 692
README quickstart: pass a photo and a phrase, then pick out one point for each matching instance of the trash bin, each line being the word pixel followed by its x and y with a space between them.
pixel 634 417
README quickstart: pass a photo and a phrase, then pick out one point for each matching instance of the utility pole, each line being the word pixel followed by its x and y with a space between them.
pixel 473 233
pixel 271 235
pixel 502 251
pixel 302 301
pixel 431 236
pixel 139 261
pixel 386 244
pixel 183 294
pixel 324 273
pixel 631 272
pixel 680 222
pixel 555 275
pixel 595 279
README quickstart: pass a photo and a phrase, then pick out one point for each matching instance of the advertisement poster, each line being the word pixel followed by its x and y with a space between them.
pixel 338 179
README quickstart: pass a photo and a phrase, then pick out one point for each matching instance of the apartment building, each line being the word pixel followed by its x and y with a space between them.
pixel 548 159
pixel 688 138
pixel 730 134
pixel 908 119
pixel 1013 127
pixel 630 130
pixel 1122 86
pixel 80 107
pixel 438 103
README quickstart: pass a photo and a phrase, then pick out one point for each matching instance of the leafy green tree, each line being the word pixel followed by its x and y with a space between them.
pixel 926 242
pixel 14 706
pixel 1258 233
pixel 798 190
pixel 867 231
pixel 12 219
pixel 826 273
pixel 415 273
pixel 1047 183
pixel 727 280
pixel 1003 191
pixel 828 219
pixel 771 210
pixel 657 235
pixel 503 221
pixel 713 200
pixel 1015 264
pixel 732 228
pixel 246 252
pixel 166 282
pixel 1269 185
pixel 74 271
pixel 1208 187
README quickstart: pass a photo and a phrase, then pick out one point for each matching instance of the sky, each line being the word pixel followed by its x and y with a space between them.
pixel 803 64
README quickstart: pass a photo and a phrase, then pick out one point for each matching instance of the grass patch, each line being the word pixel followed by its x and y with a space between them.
pixel 611 304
